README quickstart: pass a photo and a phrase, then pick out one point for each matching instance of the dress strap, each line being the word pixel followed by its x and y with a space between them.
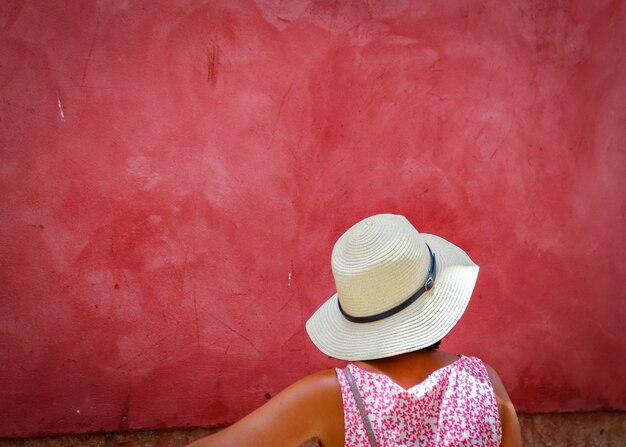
pixel 359 403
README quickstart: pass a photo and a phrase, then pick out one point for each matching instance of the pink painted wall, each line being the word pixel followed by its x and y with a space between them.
pixel 173 176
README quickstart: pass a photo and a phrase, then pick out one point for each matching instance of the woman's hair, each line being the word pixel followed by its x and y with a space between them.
pixel 432 347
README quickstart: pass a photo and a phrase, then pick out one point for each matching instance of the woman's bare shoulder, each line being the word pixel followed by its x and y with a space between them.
pixel 311 407
pixel 323 381
pixel 498 386
pixel 320 393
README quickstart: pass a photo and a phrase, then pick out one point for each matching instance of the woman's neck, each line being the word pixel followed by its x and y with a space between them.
pixel 411 368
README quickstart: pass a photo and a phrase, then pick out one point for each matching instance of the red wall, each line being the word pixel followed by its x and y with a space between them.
pixel 174 174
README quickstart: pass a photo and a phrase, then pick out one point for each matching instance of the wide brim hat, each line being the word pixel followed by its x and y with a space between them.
pixel 385 303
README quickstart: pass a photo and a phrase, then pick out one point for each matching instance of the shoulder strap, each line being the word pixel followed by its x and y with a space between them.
pixel 359 403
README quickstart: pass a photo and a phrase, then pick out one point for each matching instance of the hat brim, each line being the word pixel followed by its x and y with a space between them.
pixel 421 324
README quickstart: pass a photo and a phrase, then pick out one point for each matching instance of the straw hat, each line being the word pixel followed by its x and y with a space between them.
pixel 397 291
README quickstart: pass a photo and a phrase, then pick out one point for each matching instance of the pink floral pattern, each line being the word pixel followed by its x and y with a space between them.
pixel 454 406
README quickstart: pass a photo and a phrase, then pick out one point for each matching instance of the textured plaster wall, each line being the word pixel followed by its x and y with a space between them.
pixel 173 175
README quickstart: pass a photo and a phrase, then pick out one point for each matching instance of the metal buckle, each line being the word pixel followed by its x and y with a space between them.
pixel 429 283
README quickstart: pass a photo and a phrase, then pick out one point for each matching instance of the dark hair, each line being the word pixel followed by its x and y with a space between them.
pixel 432 347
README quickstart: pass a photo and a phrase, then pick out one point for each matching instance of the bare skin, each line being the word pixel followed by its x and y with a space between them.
pixel 312 407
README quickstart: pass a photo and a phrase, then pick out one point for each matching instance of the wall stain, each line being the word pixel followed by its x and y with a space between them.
pixel 213 60
pixel 126 408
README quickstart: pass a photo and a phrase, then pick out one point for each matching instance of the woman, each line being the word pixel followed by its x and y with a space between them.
pixel 399 293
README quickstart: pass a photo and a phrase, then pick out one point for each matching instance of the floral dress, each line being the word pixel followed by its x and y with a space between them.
pixel 453 406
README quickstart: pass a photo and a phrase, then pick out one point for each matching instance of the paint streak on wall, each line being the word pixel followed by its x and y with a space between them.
pixel 173 177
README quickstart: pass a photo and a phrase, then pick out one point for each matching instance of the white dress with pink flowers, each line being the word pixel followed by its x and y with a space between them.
pixel 454 406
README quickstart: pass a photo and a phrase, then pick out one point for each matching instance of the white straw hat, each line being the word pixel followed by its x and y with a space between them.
pixel 397 291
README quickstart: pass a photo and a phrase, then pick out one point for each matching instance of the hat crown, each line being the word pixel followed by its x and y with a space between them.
pixel 378 263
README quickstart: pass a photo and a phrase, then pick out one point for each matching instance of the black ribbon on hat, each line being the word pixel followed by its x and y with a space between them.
pixel 428 284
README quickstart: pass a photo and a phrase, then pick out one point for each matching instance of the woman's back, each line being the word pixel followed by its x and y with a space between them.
pixel 316 407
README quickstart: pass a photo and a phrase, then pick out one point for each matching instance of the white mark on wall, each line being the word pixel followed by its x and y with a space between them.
pixel 289 279
pixel 141 169
pixel 155 219
pixel 77 411
pixel 60 106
